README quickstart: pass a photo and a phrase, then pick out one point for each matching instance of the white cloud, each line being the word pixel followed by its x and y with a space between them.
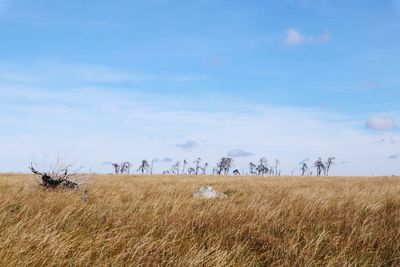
pixel 293 37
pixel 388 140
pixel 99 73
pixel 380 123
pixel 304 161
pixel 238 153
pixel 81 72
pixel 99 124
pixel 167 160
pixel 188 145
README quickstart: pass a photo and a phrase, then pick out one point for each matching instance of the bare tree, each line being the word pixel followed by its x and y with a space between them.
pixel 228 164
pixel 117 167
pixel 152 165
pixel 224 165
pixel 263 161
pixel 262 170
pixel 121 168
pixel 197 165
pixel 191 171
pixel 328 163
pixel 144 167
pixel 277 162
pixel 252 168
pixel 262 167
pixel 304 169
pixel 320 166
pixel 184 165
pixel 59 176
pixel 125 167
pixel 204 168
pixel 175 168
pixel 272 171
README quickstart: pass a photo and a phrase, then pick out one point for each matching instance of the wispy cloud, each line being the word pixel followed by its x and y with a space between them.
pixel 294 37
pixel 91 73
pixel 388 140
pixel 188 145
pixel 167 160
pixel 380 123
pixel 35 121
pixel 393 156
pixel 238 153
pixel 304 161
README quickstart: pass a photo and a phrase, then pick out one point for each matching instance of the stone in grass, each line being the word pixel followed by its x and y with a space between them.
pixel 207 191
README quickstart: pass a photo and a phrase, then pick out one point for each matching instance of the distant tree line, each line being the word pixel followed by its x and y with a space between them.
pixel 320 166
pixel 61 175
pixel 225 166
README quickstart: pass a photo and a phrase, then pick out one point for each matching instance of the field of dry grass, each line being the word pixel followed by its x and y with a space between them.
pixel 153 220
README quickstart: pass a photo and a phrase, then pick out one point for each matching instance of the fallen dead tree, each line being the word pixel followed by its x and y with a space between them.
pixel 60 177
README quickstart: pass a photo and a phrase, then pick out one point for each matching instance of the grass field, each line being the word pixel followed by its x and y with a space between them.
pixel 153 220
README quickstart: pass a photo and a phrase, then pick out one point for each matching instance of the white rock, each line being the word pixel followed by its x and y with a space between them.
pixel 208 192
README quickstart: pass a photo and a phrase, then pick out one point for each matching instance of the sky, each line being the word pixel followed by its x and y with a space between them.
pixel 109 81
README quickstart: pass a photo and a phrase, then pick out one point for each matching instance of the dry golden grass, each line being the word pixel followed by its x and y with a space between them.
pixel 153 220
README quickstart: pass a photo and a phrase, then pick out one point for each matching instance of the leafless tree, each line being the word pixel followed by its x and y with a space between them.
pixel 144 167
pixel 58 176
pixel 224 165
pixel 191 171
pixel 320 166
pixel 117 167
pixel 252 168
pixel 204 168
pixel 277 162
pixel 197 165
pixel 175 168
pixel 184 166
pixel 125 167
pixel 263 161
pixel 228 164
pixel 304 169
pixel 121 168
pixel 262 168
pixel 152 165
pixel 329 162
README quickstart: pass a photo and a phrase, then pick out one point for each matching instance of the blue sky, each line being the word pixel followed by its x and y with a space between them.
pixel 117 80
